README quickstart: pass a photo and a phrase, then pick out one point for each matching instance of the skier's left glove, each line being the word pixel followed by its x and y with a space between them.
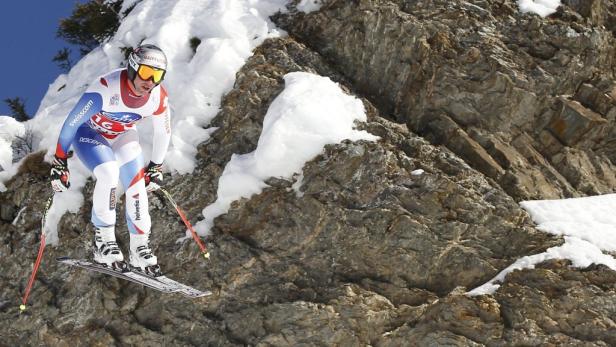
pixel 153 177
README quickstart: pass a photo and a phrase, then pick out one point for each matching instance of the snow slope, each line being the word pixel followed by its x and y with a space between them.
pixel 228 29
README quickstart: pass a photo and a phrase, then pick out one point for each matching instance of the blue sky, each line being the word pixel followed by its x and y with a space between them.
pixel 28 44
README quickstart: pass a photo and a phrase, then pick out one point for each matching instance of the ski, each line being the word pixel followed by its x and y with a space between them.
pixel 160 283
pixel 127 275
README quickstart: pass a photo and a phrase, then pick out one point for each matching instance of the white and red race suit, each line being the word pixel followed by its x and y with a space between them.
pixel 102 130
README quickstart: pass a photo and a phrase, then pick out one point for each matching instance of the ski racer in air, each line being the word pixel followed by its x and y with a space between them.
pixel 102 131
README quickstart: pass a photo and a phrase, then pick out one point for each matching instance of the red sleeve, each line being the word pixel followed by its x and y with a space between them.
pixel 162 106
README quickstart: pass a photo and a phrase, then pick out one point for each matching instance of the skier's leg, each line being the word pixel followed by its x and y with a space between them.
pixel 129 155
pixel 97 155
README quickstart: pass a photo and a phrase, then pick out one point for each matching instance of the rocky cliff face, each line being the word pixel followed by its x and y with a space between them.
pixel 493 105
pixel 528 102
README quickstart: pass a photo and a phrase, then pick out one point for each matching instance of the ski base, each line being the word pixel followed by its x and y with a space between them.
pixel 160 283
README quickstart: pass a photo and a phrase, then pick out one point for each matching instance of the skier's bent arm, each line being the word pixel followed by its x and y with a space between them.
pixel 89 104
pixel 86 107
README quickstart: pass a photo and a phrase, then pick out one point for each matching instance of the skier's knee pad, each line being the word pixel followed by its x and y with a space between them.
pixel 107 173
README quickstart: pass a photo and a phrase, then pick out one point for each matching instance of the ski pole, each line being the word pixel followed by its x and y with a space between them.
pixel 204 251
pixel 39 257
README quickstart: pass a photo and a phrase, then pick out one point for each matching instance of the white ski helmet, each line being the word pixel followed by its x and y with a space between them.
pixel 147 54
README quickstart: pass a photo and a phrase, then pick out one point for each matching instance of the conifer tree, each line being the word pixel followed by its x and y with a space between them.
pixel 63 59
pixel 90 24
pixel 18 108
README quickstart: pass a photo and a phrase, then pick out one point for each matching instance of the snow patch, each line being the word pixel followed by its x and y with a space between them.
pixel 589 228
pixel 308 6
pixel 311 112
pixel 541 7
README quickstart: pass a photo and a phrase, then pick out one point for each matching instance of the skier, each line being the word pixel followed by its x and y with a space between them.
pixel 101 129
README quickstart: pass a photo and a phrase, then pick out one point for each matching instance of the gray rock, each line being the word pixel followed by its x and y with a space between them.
pixel 574 122
pixel 483 65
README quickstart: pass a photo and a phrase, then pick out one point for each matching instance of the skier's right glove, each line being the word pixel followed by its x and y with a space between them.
pixel 153 176
pixel 60 174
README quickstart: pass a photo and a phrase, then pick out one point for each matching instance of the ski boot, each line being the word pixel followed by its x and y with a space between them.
pixel 141 257
pixel 106 250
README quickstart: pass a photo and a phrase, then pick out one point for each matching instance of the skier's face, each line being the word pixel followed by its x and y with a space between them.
pixel 143 87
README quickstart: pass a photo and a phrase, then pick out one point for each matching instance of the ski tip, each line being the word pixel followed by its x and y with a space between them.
pixel 202 294
pixel 62 258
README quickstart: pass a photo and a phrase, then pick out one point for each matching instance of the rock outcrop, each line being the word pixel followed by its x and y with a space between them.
pixel 477 106
pixel 499 88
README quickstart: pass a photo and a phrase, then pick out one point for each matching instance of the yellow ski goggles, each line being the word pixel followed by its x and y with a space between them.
pixel 146 72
